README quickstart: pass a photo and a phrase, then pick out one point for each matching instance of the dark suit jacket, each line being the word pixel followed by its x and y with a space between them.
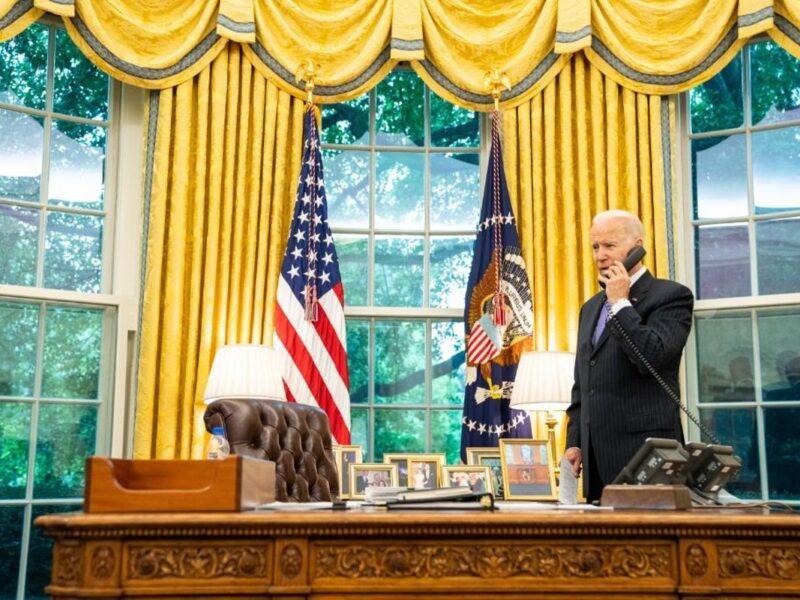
pixel 615 401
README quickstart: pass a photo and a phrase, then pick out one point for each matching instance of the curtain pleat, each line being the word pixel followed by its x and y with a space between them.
pixel 582 145
pixel 227 153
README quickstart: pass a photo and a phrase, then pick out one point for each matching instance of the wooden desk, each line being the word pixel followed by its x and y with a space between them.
pixel 464 555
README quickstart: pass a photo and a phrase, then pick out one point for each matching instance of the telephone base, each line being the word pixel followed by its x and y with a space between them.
pixel 646 497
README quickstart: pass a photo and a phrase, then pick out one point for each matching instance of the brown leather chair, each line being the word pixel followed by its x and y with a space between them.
pixel 296 437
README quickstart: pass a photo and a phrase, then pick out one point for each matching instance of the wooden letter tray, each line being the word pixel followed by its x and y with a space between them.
pixel 234 484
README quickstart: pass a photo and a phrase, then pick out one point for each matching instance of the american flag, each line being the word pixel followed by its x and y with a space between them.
pixel 309 315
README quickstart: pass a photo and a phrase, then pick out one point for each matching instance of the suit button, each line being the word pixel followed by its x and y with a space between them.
pixel 591 363
pixel 591 392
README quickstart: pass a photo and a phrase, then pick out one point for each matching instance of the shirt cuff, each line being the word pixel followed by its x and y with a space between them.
pixel 619 305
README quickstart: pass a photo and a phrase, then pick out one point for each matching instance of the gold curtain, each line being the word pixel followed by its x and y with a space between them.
pixel 582 145
pixel 225 156
pixel 651 47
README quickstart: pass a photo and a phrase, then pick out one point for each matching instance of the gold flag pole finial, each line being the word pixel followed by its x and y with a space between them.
pixel 306 73
pixel 495 81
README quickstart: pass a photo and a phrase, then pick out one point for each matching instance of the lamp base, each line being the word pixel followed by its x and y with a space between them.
pixel 646 497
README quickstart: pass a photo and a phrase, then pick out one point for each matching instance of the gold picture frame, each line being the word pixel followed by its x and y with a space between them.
pixel 477 477
pixel 490 457
pixel 528 470
pixel 425 470
pixel 365 475
pixel 345 456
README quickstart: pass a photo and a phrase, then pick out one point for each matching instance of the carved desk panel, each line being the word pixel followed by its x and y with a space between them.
pixel 384 555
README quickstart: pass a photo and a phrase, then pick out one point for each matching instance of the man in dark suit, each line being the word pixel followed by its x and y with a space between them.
pixel 616 402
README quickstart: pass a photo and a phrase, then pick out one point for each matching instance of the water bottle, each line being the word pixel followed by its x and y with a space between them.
pixel 218 447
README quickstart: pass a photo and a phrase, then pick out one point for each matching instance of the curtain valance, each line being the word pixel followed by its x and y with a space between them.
pixel 455 45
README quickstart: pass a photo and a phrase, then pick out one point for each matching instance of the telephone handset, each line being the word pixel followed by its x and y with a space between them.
pixel 634 256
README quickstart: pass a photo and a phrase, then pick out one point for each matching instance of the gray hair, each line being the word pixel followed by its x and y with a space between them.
pixel 632 224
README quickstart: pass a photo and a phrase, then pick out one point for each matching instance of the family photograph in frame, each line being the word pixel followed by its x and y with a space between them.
pixel 425 471
pixel 490 457
pixel 528 470
pixel 345 456
pixel 366 475
pixel 476 477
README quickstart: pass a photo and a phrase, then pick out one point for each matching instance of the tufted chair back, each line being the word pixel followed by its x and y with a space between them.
pixel 296 437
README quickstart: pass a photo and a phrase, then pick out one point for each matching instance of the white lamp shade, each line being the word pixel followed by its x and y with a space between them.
pixel 544 381
pixel 245 371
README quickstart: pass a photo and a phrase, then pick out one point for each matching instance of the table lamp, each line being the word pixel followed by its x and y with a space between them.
pixel 245 371
pixel 544 382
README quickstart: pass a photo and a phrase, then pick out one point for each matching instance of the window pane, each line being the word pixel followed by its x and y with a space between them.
pixel 400 191
pixel 11 521
pixel 66 436
pixel 776 164
pixel 778 253
pixel 783 458
pixel 21 151
pixel 446 434
pixel 72 259
pixel 347 122
pixel 447 357
pixel 722 254
pixel 73 338
pixel 775 79
pixel 77 165
pixel 19 241
pixel 398 271
pixel 719 177
pixel 455 191
pixel 353 267
pixel 399 431
pixel 400 362
pixel 79 88
pixel 358 359
pixel 725 357
pixel 778 335
pixel 15 431
pixel 718 103
pixel 737 428
pixel 359 430
pixel 40 553
pixel 18 348
pixel 399 111
pixel 23 68
pixel 347 188
pixel 452 126
pixel 450 263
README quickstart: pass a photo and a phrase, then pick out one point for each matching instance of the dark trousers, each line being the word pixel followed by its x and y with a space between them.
pixel 595 482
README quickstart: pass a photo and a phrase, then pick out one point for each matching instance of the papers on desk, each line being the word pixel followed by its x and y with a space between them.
pixel 567 483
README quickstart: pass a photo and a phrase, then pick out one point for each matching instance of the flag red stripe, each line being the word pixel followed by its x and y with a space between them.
pixel 330 339
pixel 308 369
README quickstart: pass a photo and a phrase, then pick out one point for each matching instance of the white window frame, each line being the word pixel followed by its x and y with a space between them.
pixel 686 256
pixel 371 313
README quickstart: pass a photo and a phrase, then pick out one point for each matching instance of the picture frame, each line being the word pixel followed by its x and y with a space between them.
pixel 425 471
pixel 345 456
pixel 528 470
pixel 366 475
pixel 401 460
pixel 490 457
pixel 477 477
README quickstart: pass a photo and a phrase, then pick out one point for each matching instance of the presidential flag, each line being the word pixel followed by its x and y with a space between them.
pixel 498 316
pixel 309 315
